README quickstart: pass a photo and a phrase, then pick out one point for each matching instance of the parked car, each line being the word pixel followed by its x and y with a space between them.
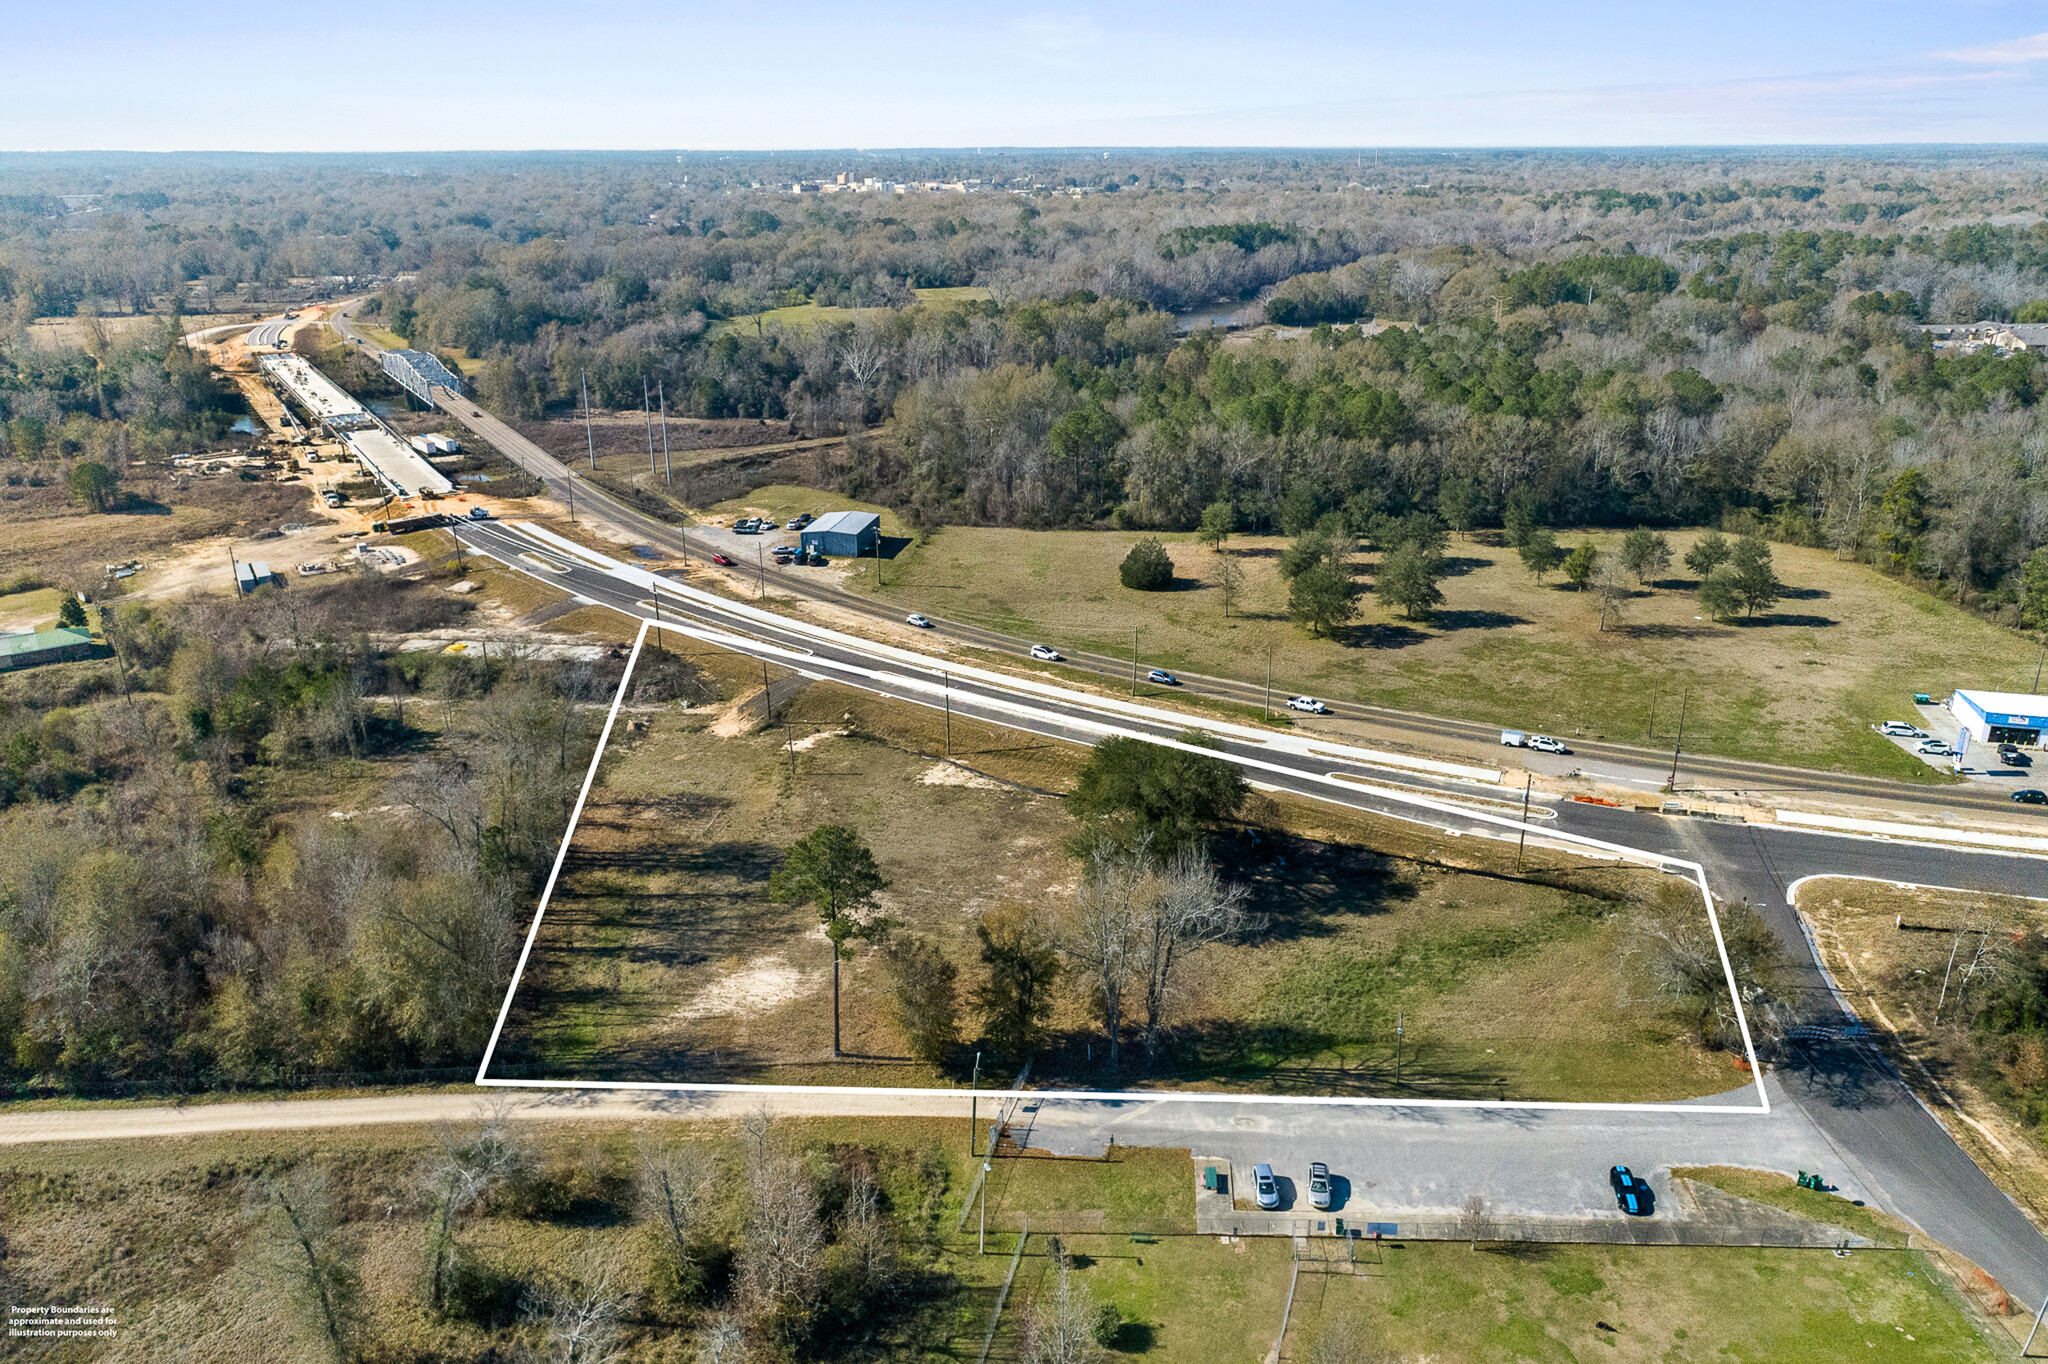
pixel 1899 729
pixel 1620 1177
pixel 1543 743
pixel 1265 1186
pixel 1319 1185
pixel 919 621
pixel 1934 748
pixel 1162 677
pixel 2029 796
pixel 723 562
pixel 785 549
pixel 2010 755
pixel 1631 1195
pixel 1045 653
pixel 799 522
pixel 1513 738
pixel 1308 705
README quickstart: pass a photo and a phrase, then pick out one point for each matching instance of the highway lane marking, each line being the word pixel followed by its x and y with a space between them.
pixel 1577 842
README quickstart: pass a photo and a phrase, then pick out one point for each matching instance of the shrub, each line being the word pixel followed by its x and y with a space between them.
pixel 1147 568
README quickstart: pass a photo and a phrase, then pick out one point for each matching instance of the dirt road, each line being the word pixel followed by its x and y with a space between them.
pixel 108 1124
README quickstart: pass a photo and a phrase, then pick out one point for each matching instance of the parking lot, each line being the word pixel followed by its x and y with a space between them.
pixel 1981 764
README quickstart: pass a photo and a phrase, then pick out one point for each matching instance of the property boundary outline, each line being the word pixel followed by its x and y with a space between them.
pixel 787 657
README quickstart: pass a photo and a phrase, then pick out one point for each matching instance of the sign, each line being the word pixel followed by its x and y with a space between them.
pixel 1382 1228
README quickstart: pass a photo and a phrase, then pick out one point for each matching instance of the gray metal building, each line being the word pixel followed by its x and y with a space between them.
pixel 846 534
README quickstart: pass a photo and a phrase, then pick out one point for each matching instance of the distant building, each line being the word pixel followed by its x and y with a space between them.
pixel 251 575
pixel 846 534
pixel 1999 717
pixel 44 646
pixel 1965 338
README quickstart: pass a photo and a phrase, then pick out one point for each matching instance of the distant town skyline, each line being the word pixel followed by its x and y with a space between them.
pixel 641 75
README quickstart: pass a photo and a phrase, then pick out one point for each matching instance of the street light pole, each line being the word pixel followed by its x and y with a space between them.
pixel 1269 681
pixel 1134 660
pixel 974 1104
pixel 589 441
pixel 1528 780
pixel 661 398
pixel 1679 742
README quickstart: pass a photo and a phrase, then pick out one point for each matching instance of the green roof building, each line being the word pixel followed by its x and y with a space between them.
pixel 45 646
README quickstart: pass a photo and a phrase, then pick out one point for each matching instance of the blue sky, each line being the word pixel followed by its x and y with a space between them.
pixel 291 76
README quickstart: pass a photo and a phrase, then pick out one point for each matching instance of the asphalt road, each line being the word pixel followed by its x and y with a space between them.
pixel 1846 1093
pixel 1853 1116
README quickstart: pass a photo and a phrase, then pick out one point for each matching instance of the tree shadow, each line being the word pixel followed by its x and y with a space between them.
pixel 1786 618
pixel 1804 593
pixel 1382 635
pixel 135 504
pixel 1457 566
pixel 1475 620
pixel 1663 631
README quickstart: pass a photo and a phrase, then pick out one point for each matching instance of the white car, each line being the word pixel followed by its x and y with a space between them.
pixel 919 621
pixel 1934 748
pixel 1162 677
pixel 1045 653
pixel 1308 705
pixel 1543 743
pixel 1899 729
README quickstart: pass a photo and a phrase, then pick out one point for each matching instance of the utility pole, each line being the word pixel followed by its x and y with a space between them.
pixel 1650 734
pixel 1528 780
pixel 1269 681
pixel 2037 1326
pixel 761 566
pixel 1400 1026
pixel 767 696
pixel 647 410
pixel 974 1103
pixel 589 441
pixel 661 398
pixel 946 686
pixel 1679 742
pixel 1134 660
pixel 2037 679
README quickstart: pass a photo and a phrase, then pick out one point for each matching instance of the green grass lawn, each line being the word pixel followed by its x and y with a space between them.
pixel 1846 648
pixel 36 610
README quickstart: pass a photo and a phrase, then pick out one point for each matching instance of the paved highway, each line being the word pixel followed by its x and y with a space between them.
pixel 1894 1148
pixel 1849 1102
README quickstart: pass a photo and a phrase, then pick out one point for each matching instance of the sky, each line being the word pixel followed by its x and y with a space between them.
pixel 515 75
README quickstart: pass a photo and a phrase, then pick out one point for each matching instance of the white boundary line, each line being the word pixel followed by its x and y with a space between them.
pixel 561 854
pixel 1792 891
pixel 792 659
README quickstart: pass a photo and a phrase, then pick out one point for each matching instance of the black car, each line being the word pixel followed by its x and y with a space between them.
pixel 1621 1177
pixel 2030 796
pixel 1631 1194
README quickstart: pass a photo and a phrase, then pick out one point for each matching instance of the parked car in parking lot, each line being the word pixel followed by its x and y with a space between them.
pixel 1899 729
pixel 1045 653
pixel 1308 705
pixel 1162 677
pixel 2011 756
pixel 1265 1186
pixel 1543 743
pixel 2030 796
pixel 919 621
pixel 1934 748
pixel 1319 1185
pixel 1631 1195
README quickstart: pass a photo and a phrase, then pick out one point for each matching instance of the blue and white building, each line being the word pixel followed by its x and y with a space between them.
pixel 2000 717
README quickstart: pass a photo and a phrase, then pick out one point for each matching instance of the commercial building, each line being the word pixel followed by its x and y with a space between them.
pixel 2000 717
pixel 44 646
pixel 846 534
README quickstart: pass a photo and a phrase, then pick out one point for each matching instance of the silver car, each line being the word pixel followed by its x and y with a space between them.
pixel 1319 1185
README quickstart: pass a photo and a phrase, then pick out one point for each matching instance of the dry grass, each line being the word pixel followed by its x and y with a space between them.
pixel 1846 649
pixel 661 958
pixel 1895 977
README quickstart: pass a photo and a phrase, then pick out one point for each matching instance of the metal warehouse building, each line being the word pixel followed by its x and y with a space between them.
pixel 60 645
pixel 2000 717
pixel 846 534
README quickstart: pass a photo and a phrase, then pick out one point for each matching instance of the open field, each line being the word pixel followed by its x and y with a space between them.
pixel 1846 648
pixel 1904 955
pixel 661 958
pixel 806 316
pixel 173 1236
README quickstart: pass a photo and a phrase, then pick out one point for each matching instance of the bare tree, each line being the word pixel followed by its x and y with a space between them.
pixel 310 1252
pixel 585 1312
pixel 1611 591
pixel 721 1342
pixel 674 1194
pixel 1345 1339
pixel 1062 1329
pixel 783 1243
pixel 1185 907
pixel 1475 1223
pixel 460 1172
pixel 1671 945
pixel 1104 935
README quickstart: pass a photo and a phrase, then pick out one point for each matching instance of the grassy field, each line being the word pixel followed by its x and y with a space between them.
pixel 660 957
pixel 171 1235
pixel 1891 948
pixel 805 316
pixel 1845 649
pixel 32 610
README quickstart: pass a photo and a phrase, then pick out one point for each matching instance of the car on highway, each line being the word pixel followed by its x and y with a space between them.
pixel 1934 748
pixel 1308 705
pixel 1162 677
pixel 1265 1186
pixel 723 562
pixel 919 621
pixel 1319 1185
pixel 1899 729
pixel 1045 653
pixel 1543 743
pixel 2029 796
